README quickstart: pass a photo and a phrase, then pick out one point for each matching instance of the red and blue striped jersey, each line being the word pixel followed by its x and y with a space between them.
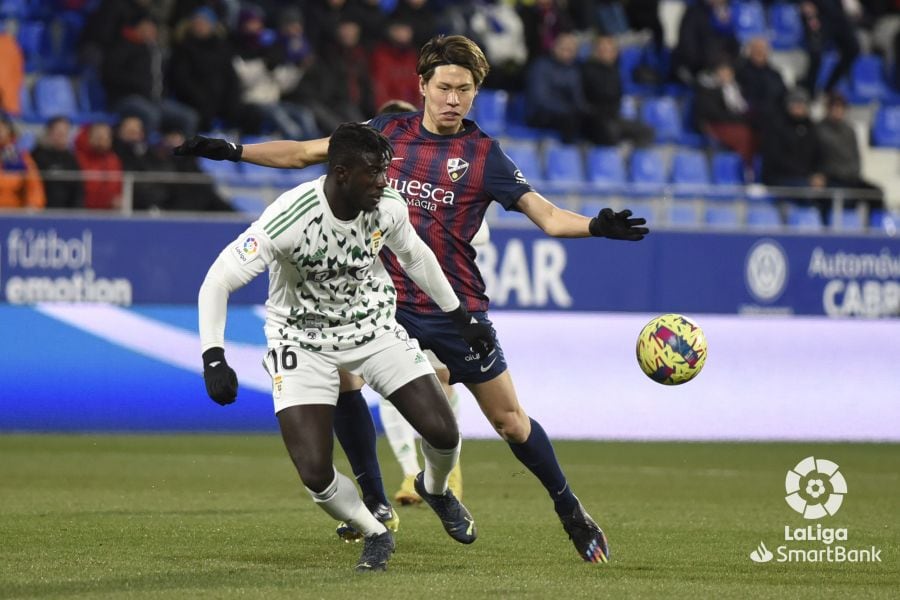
pixel 448 182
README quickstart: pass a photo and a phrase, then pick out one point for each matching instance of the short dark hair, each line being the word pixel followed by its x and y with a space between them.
pixel 350 141
pixel 396 106
pixel 452 50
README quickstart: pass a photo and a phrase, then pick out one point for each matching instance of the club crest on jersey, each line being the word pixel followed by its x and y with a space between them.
pixel 377 240
pixel 456 168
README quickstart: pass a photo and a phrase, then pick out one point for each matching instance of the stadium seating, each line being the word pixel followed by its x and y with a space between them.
pixel 690 173
pixel 663 116
pixel 786 26
pixel 564 166
pixel 681 214
pixel 647 172
pixel 749 20
pixel 722 216
pixel 886 127
pixel 527 159
pixel 763 216
pixel 850 221
pixel 884 222
pixel 606 168
pixel 727 169
pixel 490 111
pixel 867 81
pixel 223 171
pixel 32 39
pixel 248 205
pixel 55 96
pixel 804 218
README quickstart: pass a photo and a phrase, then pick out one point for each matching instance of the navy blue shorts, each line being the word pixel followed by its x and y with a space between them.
pixel 437 333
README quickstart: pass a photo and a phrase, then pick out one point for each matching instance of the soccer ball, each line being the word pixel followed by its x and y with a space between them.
pixel 671 349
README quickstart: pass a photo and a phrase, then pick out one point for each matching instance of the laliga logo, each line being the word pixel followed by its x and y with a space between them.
pixel 808 484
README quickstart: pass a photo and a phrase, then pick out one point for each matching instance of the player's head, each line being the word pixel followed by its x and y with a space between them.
pixel 451 69
pixel 358 157
pixel 396 106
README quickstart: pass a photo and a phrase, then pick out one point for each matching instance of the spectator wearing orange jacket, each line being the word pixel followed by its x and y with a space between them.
pixel 101 167
pixel 20 179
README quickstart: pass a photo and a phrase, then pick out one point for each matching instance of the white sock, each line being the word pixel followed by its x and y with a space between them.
pixel 401 436
pixel 438 464
pixel 341 500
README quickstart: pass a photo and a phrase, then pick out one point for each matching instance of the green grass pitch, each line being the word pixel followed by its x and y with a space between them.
pixel 203 516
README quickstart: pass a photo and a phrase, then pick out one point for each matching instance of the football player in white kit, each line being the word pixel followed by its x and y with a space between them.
pixel 326 311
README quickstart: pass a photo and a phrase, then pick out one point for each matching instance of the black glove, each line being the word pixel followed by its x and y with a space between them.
pixel 618 226
pixel 213 148
pixel 477 335
pixel 221 380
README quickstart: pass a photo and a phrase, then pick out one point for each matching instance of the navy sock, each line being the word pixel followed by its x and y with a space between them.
pixel 537 454
pixel 355 431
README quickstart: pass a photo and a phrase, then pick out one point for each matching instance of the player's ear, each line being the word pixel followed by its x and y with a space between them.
pixel 340 172
pixel 422 84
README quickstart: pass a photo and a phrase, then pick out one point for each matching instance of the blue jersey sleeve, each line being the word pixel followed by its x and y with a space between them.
pixel 503 181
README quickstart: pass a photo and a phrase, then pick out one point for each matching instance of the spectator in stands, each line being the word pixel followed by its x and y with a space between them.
pixel 12 74
pixel 555 94
pixel 20 180
pixel 705 36
pixel 825 25
pixel 130 145
pixel 420 15
pixel 603 93
pixel 644 14
pixel 839 149
pixel 104 24
pixel 760 83
pixel 543 20
pixel 202 74
pixel 372 20
pixel 323 17
pixel 498 28
pixel 393 66
pixel 790 150
pixel 722 112
pixel 263 80
pixel 336 85
pixel 59 167
pixel 101 167
pixel 197 197
pixel 133 78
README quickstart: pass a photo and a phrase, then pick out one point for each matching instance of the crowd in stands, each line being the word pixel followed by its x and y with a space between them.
pixel 165 69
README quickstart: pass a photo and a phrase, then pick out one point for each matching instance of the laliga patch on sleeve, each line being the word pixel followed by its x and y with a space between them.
pixel 247 250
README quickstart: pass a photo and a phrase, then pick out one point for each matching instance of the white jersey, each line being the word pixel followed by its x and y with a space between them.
pixel 323 291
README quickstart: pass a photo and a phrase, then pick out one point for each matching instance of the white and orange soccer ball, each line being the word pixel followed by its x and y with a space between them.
pixel 671 349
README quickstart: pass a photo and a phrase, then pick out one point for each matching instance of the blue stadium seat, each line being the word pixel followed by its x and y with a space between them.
pixel 64 33
pixel 648 172
pixel 13 9
pixel 884 222
pixel 886 127
pixel 764 216
pixel 663 116
pixel 294 177
pixel 55 96
pixel 867 80
pixel 749 20
pixel 515 122
pixel 681 214
pixel 829 61
pixel 564 166
pixel 91 95
pixel 490 111
pixel 786 26
pixel 32 40
pixel 248 205
pixel 804 218
pixel 26 102
pixel 850 221
pixel 527 159
pixel 223 171
pixel 722 216
pixel 690 173
pixel 630 57
pixel 606 168
pixel 727 169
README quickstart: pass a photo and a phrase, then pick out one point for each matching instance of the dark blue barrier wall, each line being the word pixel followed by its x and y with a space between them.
pixel 138 261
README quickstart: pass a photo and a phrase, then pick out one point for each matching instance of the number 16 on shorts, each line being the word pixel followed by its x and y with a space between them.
pixel 278 360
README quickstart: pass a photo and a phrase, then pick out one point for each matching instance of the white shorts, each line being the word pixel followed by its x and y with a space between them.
pixel 434 360
pixel 387 363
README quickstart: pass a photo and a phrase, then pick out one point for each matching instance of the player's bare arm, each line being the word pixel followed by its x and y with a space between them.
pixel 562 223
pixel 281 154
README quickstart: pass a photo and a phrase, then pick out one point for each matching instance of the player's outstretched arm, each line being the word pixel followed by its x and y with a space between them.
pixel 558 222
pixel 282 154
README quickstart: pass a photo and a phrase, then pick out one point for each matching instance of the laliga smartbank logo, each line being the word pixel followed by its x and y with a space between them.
pixel 815 488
